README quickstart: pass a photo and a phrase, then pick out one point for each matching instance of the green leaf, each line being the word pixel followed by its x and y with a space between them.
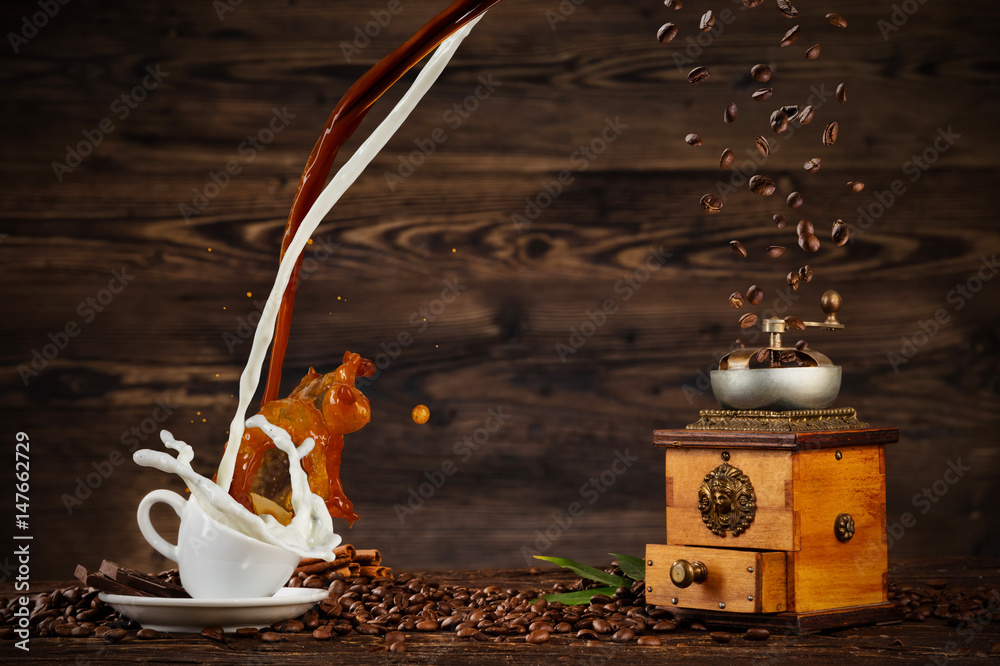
pixel 633 567
pixel 587 572
pixel 581 597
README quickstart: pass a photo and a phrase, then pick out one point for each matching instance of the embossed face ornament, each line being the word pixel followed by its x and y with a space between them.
pixel 727 500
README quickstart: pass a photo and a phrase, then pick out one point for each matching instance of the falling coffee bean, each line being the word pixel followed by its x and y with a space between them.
pixel 830 134
pixel 855 185
pixel 673 4
pixel 840 234
pixel 761 73
pixel 763 354
pixel 842 93
pixel 698 75
pixel 763 147
pixel 762 185
pixel 779 221
pixel 809 243
pixel 813 165
pixel 791 111
pixel 802 345
pixel 805 116
pixel 786 8
pixel 750 4
pixel 707 21
pixel 741 345
pixel 755 295
pixel 666 33
pixel 794 200
pixel 748 320
pixel 812 53
pixel 775 250
pixel 836 20
pixel 730 114
pixel 711 203
pixel 738 248
pixel 789 38
pixel 804 227
pixel 795 323
pixel 793 280
pixel 693 140
pixel 736 300
pixel 727 159
pixel 779 121
pixel 806 273
pixel 762 94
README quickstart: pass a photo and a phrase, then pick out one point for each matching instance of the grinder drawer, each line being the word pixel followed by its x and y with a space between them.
pixel 740 581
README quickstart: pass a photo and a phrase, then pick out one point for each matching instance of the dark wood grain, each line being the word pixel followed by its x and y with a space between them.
pixel 164 338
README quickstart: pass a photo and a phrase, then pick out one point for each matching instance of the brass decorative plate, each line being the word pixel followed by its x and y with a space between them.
pixel 727 500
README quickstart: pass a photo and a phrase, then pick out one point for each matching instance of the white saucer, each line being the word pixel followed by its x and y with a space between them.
pixel 193 615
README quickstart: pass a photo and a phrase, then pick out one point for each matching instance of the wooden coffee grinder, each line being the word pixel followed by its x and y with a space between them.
pixel 776 503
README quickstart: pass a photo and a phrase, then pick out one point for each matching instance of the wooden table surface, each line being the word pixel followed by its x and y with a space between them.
pixel 929 642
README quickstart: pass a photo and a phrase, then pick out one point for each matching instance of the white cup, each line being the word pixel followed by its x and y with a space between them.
pixel 216 561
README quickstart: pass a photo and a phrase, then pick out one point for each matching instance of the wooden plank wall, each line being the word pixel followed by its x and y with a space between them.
pixel 557 75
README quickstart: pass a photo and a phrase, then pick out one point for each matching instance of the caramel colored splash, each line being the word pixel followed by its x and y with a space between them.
pixel 323 407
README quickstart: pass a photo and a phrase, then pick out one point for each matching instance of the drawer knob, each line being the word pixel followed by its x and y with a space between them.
pixel 683 573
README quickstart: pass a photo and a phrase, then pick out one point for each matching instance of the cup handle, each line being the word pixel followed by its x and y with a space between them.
pixel 176 502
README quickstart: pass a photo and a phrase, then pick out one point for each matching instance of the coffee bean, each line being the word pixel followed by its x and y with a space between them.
pixel 793 280
pixel 148 634
pixel 81 631
pixel 738 248
pixel 247 632
pixel 830 134
pixel 736 300
pixel 842 93
pixel 794 200
pixel 741 345
pixel 587 633
pixel 323 633
pixel 721 637
pixel 763 147
pixel 775 250
pixel 788 357
pixel 761 73
pixel 813 52
pixel 466 632
pixel 755 295
pixel 779 221
pixel 813 165
pixel 649 641
pixel 691 140
pixel 707 21
pixel 786 8
pixel 791 111
pixel 836 20
pixel 623 636
pixel 937 583
pixel 762 94
pixel 802 345
pixel 840 234
pixel 666 33
pixel 398 647
pixel 427 625
pixel 795 323
pixel 538 636
pixel 730 114
pixel 855 185
pixel 748 320
pixel 711 203
pixel 763 354
pixel 805 116
pixel 272 637
pixel 673 4
pixel 804 227
pixel 114 635
pixel 394 637
pixel 806 273
pixel 564 627
pixel 291 627
pixel 809 243
pixel 757 634
pixel 750 4
pixel 214 633
pixel 698 75
pixel 762 185
pixel 789 37
pixel 727 159
pixel 779 121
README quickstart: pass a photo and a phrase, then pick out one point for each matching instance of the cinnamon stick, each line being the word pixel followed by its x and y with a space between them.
pixel 369 557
